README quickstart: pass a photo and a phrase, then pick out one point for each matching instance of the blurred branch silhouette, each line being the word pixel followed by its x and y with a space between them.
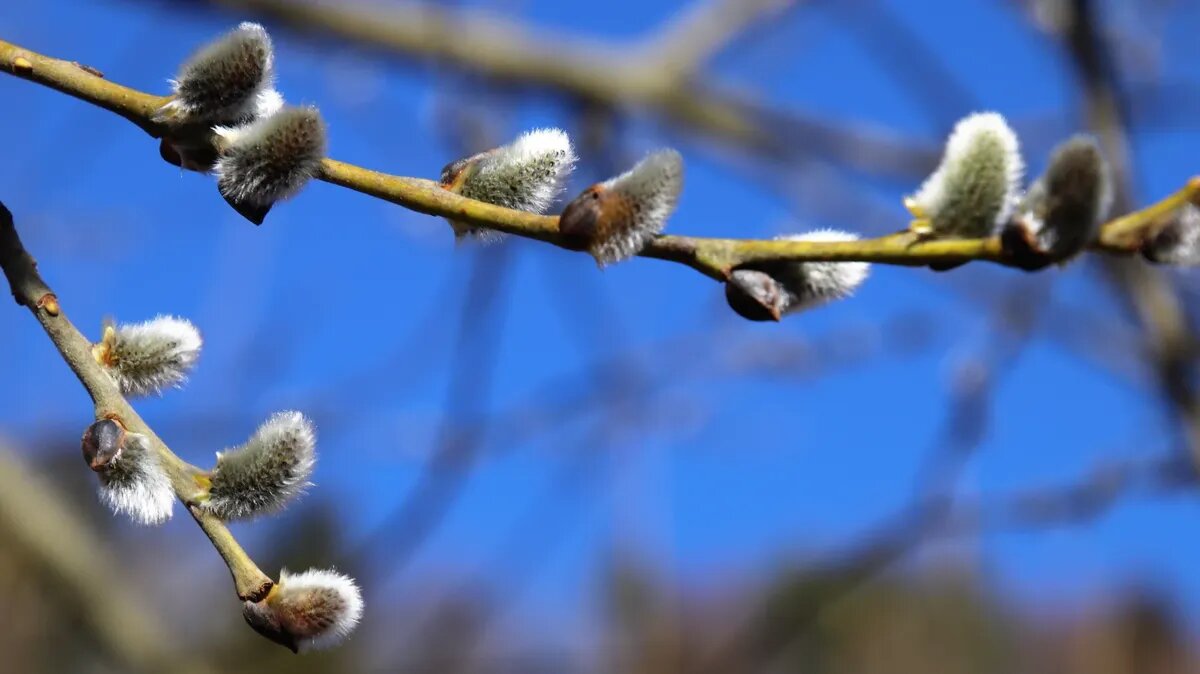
pixel 35 521
pixel 656 75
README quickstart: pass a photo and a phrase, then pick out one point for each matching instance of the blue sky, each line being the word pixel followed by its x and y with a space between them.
pixel 739 473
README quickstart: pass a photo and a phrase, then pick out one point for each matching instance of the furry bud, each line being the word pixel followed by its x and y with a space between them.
pixel 270 159
pixel 307 611
pixel 145 358
pixel 227 81
pixel 769 291
pixel 615 219
pixel 526 175
pixel 1179 242
pixel 975 189
pixel 267 472
pixel 132 481
pixel 1063 210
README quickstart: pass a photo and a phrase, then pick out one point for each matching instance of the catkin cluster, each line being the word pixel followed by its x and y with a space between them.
pixel 314 609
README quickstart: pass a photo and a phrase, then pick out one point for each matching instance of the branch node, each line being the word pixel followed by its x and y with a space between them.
pixel 49 304
pixel 21 66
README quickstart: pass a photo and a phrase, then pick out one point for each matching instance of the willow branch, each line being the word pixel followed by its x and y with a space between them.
pixel 710 256
pixel 30 291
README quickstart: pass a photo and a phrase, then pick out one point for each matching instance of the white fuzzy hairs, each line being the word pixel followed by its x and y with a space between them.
pixel 308 611
pixel 615 219
pixel 771 291
pixel 228 81
pixel 528 174
pixel 976 188
pixel 147 358
pixel 1178 243
pixel 1063 209
pixel 273 158
pixel 271 469
pixel 135 484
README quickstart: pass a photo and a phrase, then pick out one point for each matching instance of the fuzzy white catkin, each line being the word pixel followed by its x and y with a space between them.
pixel 976 188
pixel 229 80
pixel 273 158
pixel 775 290
pixel 525 175
pixel 1064 208
pixel 814 283
pixel 135 484
pixel 637 204
pixel 145 358
pixel 267 472
pixel 1179 242
pixel 313 610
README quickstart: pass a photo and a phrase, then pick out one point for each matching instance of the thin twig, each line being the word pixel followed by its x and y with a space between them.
pixel 31 291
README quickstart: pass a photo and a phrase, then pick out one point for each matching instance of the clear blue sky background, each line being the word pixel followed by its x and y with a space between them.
pixel 741 473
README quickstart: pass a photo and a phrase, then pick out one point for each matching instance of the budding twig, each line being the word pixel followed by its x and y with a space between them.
pixel 31 291
pixel 712 257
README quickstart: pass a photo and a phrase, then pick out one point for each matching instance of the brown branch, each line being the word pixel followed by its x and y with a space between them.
pixel 31 291
pixel 37 523
pixel 713 257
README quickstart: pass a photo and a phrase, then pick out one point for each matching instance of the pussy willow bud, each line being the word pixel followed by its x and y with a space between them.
pixel 1179 242
pixel 267 472
pixel 270 159
pixel 132 481
pixel 615 219
pixel 227 81
pixel 145 358
pixel 307 611
pixel 1062 211
pixel 976 188
pixel 770 291
pixel 526 175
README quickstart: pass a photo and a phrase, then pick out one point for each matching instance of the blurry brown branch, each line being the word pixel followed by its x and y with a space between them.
pixel 1155 303
pixel 652 75
pixel 460 437
pixel 704 28
pixel 31 291
pixel 1073 503
pixel 35 522
pixel 712 257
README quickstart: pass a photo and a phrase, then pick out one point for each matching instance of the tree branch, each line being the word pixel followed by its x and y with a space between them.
pixel 712 257
pixel 31 291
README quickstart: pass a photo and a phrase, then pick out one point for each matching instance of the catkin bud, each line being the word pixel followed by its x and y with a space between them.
pixel 526 175
pixel 132 481
pixel 768 292
pixel 1063 209
pixel 267 472
pixel 227 81
pixel 270 159
pixel 615 219
pixel 1177 243
pixel 145 358
pixel 307 611
pixel 975 189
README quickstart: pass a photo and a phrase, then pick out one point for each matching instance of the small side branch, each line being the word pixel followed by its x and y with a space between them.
pixel 31 291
